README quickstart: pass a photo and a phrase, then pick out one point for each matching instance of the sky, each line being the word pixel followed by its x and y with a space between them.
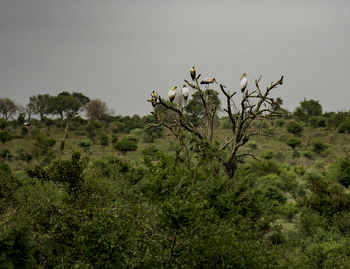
pixel 119 51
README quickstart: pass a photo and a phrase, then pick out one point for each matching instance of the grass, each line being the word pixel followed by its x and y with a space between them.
pixel 275 141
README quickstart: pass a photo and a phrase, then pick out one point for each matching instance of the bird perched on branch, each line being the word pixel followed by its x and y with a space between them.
pixel 193 73
pixel 185 92
pixel 208 81
pixel 244 82
pixel 172 93
pixel 154 98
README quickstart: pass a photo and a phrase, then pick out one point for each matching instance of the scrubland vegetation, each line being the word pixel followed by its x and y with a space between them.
pixel 121 192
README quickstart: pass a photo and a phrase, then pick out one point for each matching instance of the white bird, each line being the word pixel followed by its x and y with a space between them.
pixel 208 81
pixel 172 93
pixel 244 82
pixel 185 92
pixel 193 73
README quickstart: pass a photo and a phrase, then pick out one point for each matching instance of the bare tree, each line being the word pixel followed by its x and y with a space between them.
pixel 97 110
pixel 253 105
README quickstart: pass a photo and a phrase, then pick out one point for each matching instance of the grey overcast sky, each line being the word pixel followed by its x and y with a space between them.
pixel 119 51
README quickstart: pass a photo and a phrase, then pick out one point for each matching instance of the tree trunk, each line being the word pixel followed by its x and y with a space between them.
pixel 64 135
pixel 231 167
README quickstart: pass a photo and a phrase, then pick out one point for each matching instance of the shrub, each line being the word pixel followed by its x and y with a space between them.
pixel 293 142
pixel 344 127
pixel 5 154
pixel 150 151
pixel 85 144
pixel 127 143
pixel 3 124
pixel 4 137
pixel 24 131
pixel 308 155
pixel 294 128
pixel 104 140
pixel 288 210
pixel 252 145
pixel 65 171
pixel 42 144
pixel 342 171
pixel 114 138
pixel 317 121
pixel 23 155
pixel 318 147
pixel 268 155
pixel 279 123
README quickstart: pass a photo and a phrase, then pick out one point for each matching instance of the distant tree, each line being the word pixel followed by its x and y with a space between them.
pixel 195 107
pixel 307 109
pixel 21 119
pixel 97 110
pixel 29 110
pixel 39 104
pixel 7 108
pixel 67 105
pixel 277 104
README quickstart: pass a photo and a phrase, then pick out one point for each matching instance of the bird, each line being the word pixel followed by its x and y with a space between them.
pixel 208 81
pixel 172 94
pixel 244 82
pixel 193 73
pixel 185 92
pixel 154 98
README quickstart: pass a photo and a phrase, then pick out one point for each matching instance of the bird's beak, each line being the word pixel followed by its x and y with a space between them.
pixel 243 75
pixel 215 81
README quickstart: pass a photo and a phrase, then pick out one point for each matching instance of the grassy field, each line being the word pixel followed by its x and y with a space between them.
pixel 271 141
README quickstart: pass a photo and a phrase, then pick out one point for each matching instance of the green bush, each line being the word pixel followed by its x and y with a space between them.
pixel 150 151
pixel 24 131
pixel 279 123
pixel 294 128
pixel 5 136
pixel 252 145
pixel 268 155
pixel 23 155
pixel 114 138
pixel 85 144
pixel 342 171
pixel 127 143
pixel 318 147
pixel 293 142
pixel 104 140
pixel 5 154
pixel 344 127
pixel 288 210
pixel 317 121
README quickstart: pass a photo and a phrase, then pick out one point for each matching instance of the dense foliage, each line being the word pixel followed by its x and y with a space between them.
pixel 127 201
